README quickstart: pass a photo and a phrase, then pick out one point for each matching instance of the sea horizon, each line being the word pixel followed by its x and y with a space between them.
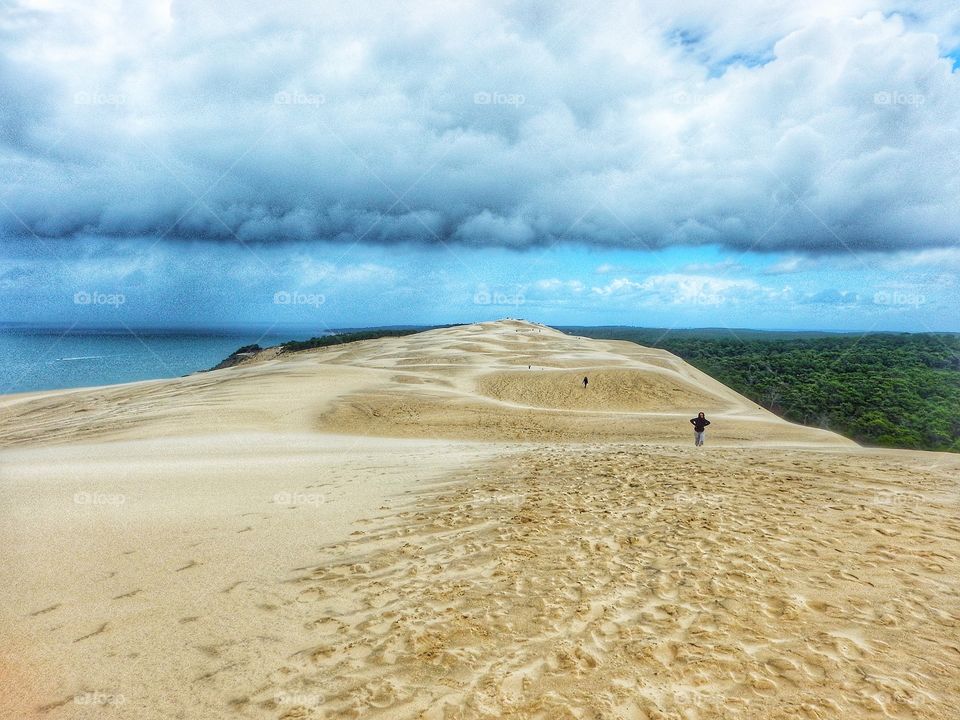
pixel 44 357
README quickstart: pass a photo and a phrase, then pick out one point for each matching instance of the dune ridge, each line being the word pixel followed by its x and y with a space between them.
pixel 467 382
pixel 426 527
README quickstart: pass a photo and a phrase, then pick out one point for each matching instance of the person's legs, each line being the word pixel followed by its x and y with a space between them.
pixel 699 438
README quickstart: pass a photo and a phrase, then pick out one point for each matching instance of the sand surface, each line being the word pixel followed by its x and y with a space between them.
pixel 424 527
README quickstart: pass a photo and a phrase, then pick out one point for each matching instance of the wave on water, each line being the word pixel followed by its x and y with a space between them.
pixel 86 357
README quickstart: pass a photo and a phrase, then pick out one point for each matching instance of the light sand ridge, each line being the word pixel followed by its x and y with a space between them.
pixel 423 527
pixel 458 383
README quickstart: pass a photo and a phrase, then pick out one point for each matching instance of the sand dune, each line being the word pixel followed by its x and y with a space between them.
pixel 608 389
pixel 426 527
pixel 612 581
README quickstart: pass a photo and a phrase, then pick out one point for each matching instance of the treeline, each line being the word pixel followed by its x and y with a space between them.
pixel 884 389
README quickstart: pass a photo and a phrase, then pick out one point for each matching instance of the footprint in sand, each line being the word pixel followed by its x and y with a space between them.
pixel 383 694
pixel 311 594
pixel 128 594
pixel 325 626
pixel 98 631
pixel 45 610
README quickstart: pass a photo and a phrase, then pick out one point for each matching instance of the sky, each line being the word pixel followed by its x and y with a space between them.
pixel 756 164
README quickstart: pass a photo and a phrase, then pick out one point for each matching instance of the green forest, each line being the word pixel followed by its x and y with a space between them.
pixel 883 389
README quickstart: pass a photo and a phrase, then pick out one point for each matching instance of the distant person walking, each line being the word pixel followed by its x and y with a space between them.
pixel 699 423
pixel 584 383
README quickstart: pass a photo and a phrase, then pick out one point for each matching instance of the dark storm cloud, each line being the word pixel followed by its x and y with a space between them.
pixel 507 124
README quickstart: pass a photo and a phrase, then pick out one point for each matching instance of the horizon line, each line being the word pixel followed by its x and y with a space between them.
pixel 275 327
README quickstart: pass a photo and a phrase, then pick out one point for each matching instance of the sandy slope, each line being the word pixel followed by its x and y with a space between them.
pixel 423 526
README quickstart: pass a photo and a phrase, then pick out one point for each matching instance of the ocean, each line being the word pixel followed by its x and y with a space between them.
pixel 49 358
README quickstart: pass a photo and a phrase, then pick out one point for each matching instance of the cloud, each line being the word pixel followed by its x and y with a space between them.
pixel 618 285
pixel 555 284
pixel 790 265
pixel 804 127
pixel 832 296
pixel 15 277
pixel 707 267
pixel 485 228
pixel 941 258
pixel 367 272
pixel 684 289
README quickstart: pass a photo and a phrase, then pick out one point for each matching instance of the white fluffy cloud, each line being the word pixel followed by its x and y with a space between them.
pixel 682 289
pixel 813 126
pixel 555 284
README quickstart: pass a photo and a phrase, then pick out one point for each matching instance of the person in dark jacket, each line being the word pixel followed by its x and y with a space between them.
pixel 699 423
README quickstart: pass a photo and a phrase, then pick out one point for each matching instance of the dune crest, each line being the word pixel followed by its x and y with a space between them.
pixel 426 527
pixel 468 382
